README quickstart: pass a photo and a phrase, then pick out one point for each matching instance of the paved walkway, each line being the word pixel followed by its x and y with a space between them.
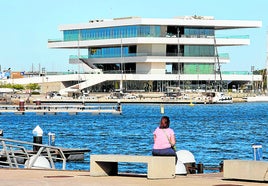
pixel 23 177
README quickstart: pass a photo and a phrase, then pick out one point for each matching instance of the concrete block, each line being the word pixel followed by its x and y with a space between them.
pixel 161 167
pixel 245 170
pixel 158 167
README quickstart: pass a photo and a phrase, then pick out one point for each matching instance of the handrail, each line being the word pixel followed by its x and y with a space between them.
pixel 168 35
pixel 15 155
pixel 174 54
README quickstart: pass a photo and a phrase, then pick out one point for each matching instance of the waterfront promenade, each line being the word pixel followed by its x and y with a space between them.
pixel 26 177
pixel 151 98
pixel 225 133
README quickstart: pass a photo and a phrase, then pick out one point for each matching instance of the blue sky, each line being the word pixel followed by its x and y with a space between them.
pixel 26 26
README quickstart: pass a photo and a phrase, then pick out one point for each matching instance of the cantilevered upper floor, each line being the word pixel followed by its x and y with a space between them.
pixel 185 43
pixel 183 30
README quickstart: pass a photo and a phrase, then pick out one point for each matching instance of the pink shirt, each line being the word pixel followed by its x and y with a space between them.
pixel 161 140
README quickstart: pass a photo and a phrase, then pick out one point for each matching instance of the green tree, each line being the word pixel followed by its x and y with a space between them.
pixel 33 86
pixel 18 87
pixel 13 86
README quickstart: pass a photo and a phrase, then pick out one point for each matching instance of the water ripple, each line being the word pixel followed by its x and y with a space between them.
pixel 211 132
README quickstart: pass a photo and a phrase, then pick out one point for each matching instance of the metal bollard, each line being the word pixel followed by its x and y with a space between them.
pixel 38 104
pixel 37 137
pixel 257 152
pixel 190 168
pixel 51 139
pixel 21 105
pixel 200 168
pixel 221 166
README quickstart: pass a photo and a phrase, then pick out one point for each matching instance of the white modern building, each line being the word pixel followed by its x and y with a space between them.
pixel 143 54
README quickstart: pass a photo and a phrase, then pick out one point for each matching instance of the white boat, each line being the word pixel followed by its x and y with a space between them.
pixel 257 99
pixel 222 98
pixel 218 97
pixel 6 90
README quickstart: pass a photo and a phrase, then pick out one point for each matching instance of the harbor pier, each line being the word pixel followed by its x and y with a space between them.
pixel 14 177
pixel 57 108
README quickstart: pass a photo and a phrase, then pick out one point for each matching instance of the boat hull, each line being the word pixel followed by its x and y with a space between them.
pixel 257 99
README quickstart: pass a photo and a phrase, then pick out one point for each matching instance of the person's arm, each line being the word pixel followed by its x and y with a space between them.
pixel 172 140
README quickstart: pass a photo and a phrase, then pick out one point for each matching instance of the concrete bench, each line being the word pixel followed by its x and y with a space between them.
pixel 245 170
pixel 158 167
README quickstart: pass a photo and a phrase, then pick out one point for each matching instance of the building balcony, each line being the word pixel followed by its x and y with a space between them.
pixel 147 57
pixel 183 40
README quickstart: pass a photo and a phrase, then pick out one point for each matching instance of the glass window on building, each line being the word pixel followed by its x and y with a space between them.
pixel 206 51
pixel 112 32
pixel 206 68
pixel 70 35
pixel 108 52
pixel 198 32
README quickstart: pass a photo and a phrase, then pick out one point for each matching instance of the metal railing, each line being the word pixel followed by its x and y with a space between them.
pixel 167 35
pixel 169 54
pixel 16 154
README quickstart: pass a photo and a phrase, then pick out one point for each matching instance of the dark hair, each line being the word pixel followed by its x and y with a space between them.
pixel 164 122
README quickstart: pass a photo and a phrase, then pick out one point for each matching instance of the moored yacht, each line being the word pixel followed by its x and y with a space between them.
pixel 218 97
pixel 261 98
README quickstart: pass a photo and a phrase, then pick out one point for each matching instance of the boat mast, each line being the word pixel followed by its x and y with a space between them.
pixel 179 54
pixel 121 66
pixel 267 63
pixel 79 62
pixel 217 64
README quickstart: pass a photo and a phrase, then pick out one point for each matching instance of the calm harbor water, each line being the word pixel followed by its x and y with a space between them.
pixel 211 132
